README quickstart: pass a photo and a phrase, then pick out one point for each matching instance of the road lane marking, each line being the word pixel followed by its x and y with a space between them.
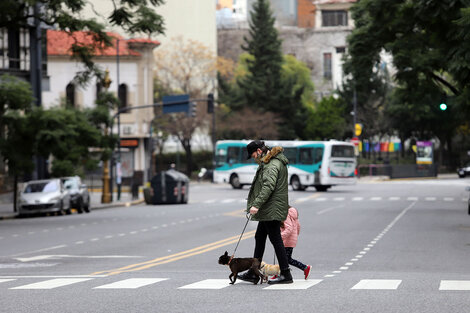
pixel 300 200
pixel 329 209
pixel 131 283
pixel 228 200
pixel 177 256
pixel 299 284
pixel 40 250
pixel 376 198
pixel 53 283
pixel 5 280
pixel 377 284
pixel 455 285
pixel 61 256
pixel 236 213
pixel 357 199
pixel 412 198
pixel 394 198
pixel 448 199
pixel 430 198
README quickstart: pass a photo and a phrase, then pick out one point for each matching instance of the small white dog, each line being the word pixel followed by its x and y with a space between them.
pixel 269 270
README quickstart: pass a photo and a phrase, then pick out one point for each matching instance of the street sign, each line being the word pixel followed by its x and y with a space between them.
pixel 175 104
pixel 355 141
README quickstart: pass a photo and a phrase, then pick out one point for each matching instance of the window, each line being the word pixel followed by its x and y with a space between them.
pixel 122 95
pixel 245 157
pixel 70 94
pixel 306 156
pixel 291 155
pixel 334 18
pixel 342 151
pixel 318 155
pixel 340 49
pixel 233 155
pixel 327 65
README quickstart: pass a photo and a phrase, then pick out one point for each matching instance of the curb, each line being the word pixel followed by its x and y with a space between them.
pixel 106 206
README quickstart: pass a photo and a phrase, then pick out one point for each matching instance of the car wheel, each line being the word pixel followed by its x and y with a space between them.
pixel 461 175
pixel 86 207
pixel 235 182
pixel 80 206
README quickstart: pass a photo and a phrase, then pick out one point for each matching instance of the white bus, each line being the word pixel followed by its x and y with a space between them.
pixel 320 164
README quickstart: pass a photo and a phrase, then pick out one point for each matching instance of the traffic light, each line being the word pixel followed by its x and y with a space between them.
pixel 443 105
pixel 210 103
pixel 192 109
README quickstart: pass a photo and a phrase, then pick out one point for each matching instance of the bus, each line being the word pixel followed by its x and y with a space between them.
pixel 318 164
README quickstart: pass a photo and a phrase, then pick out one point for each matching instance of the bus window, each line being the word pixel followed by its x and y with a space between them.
pixel 318 155
pixel 220 157
pixel 233 155
pixel 306 156
pixel 291 155
pixel 341 151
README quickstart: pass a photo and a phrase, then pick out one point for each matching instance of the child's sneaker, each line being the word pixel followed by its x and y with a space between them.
pixel 272 277
pixel 307 271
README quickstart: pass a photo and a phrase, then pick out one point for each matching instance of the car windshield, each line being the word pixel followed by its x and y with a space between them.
pixel 42 187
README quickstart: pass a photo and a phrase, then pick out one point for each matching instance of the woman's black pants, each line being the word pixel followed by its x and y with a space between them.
pixel 273 230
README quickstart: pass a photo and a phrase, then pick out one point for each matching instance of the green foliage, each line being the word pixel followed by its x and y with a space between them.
pixel 428 41
pixel 295 96
pixel 15 94
pixel 133 16
pixel 261 85
pixel 326 121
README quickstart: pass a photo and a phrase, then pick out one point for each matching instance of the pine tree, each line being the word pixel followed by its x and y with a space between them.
pixel 262 86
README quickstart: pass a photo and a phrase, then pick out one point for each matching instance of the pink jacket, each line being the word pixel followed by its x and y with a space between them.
pixel 291 229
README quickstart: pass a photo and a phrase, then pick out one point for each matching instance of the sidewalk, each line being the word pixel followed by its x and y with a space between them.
pixel 6 203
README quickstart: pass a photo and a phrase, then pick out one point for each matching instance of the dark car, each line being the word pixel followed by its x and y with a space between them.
pixel 79 196
pixel 464 170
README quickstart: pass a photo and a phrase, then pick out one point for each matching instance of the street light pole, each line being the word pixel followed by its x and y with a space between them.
pixel 106 196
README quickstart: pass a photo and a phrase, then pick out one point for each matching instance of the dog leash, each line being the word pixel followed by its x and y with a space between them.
pixel 248 218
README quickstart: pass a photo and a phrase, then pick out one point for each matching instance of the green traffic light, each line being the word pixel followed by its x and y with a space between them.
pixel 443 106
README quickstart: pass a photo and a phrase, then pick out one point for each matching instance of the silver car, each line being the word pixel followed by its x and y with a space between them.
pixel 79 195
pixel 43 196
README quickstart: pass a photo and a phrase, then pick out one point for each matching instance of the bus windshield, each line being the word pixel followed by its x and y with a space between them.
pixel 342 151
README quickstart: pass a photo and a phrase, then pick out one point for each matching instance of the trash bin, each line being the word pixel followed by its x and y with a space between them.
pixel 170 187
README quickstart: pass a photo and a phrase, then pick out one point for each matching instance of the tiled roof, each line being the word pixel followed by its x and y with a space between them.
pixel 60 42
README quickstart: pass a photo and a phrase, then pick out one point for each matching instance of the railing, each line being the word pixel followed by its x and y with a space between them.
pixel 398 171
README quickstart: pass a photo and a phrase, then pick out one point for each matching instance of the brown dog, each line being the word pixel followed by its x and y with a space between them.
pixel 241 264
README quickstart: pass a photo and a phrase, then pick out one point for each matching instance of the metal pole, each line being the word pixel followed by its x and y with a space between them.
pixel 354 111
pixel 213 142
pixel 119 182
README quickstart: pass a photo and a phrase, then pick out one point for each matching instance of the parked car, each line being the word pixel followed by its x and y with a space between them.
pixel 79 195
pixel 464 170
pixel 43 196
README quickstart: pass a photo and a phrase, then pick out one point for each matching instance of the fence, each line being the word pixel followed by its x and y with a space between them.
pixel 398 171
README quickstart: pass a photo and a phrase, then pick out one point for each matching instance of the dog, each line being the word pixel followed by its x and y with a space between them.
pixel 269 270
pixel 238 265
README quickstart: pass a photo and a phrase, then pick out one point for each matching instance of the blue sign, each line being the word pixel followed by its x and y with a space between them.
pixel 175 104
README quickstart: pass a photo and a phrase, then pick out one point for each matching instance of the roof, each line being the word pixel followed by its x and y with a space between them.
pixel 60 42
pixel 334 1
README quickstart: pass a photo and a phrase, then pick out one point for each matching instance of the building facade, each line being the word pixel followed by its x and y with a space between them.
pixel 132 83
pixel 314 32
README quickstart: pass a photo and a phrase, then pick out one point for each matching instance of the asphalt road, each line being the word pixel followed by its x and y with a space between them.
pixel 398 246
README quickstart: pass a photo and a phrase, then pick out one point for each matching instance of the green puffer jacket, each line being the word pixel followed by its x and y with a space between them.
pixel 268 190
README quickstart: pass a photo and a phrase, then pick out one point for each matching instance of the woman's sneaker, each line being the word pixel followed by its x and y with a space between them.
pixel 307 271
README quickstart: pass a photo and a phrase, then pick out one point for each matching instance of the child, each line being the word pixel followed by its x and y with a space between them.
pixel 290 230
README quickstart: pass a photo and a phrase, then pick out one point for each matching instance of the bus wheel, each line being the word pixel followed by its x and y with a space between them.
pixel 296 185
pixel 321 188
pixel 235 182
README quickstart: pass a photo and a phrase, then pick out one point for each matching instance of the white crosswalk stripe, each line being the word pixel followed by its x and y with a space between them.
pixel 209 284
pixel 298 284
pixel 455 285
pixel 131 283
pixel 53 283
pixel 357 199
pixel 377 284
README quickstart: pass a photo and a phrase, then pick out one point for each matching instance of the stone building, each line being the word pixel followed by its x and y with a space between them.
pixel 313 31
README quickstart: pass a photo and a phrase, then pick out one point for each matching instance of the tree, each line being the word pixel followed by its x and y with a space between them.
pixel 428 42
pixel 185 67
pixel 133 16
pixel 16 140
pixel 296 94
pixel 326 121
pixel 262 84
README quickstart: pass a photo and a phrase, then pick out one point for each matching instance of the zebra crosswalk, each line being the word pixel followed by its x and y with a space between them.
pixel 215 284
